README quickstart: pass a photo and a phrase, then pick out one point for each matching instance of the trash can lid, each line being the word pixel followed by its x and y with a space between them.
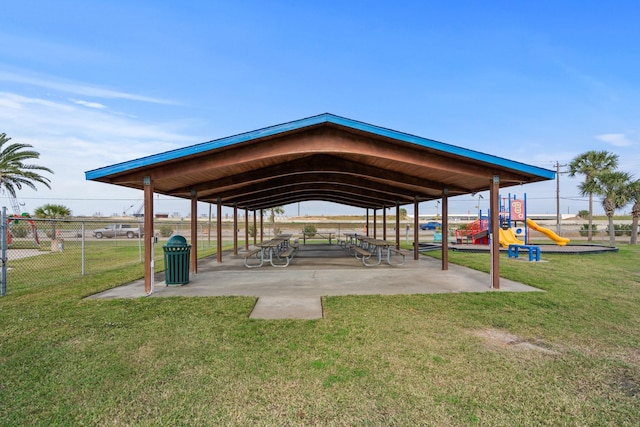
pixel 177 240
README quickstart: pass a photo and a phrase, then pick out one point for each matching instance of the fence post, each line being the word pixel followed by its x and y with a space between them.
pixel 82 251
pixel 3 231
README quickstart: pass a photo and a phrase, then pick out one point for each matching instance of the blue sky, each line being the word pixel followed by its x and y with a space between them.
pixel 92 83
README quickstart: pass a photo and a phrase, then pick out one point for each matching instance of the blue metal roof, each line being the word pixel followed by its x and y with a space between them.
pixel 311 121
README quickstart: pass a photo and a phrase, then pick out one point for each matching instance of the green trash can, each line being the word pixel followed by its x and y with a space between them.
pixel 177 254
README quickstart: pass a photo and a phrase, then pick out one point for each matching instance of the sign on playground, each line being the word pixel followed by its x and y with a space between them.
pixel 517 210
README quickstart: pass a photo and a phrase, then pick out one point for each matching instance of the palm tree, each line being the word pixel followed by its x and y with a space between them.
pixel 272 217
pixel 53 212
pixel 634 197
pixel 614 189
pixel 14 173
pixel 591 164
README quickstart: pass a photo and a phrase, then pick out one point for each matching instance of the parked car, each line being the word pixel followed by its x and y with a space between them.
pixel 431 225
pixel 114 230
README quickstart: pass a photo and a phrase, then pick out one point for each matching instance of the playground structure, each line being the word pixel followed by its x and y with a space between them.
pixel 17 215
pixel 32 224
pixel 512 211
pixel 560 241
pixel 507 237
pixel 476 232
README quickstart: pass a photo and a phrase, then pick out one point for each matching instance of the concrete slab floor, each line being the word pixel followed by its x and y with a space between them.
pixel 316 271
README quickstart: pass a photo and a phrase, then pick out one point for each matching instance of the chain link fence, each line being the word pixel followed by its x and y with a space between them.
pixel 41 252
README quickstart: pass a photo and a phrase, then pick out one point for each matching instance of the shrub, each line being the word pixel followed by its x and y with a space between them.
pixel 20 230
pixel 310 230
pixel 584 230
pixel 166 230
pixel 620 230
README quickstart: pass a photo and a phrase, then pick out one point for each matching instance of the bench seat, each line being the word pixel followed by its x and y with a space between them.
pixel 287 252
pixel 363 255
pixel 287 255
pixel 359 251
pixel 400 252
pixel 250 253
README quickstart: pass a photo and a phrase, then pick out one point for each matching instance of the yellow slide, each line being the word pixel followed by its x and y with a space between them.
pixel 560 241
pixel 508 238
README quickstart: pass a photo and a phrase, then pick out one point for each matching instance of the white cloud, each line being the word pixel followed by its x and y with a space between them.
pixel 77 88
pixel 39 117
pixel 89 104
pixel 615 139
pixel 72 139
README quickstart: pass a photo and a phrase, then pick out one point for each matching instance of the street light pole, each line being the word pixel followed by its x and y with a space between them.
pixel 558 215
pixel 478 206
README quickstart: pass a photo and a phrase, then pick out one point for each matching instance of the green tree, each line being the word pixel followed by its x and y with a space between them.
pixel 634 197
pixel 54 212
pixel 14 172
pixel 591 164
pixel 614 189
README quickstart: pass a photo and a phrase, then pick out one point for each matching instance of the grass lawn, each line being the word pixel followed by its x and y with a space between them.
pixel 571 357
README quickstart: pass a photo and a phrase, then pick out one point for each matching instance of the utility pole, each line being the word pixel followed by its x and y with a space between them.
pixel 558 215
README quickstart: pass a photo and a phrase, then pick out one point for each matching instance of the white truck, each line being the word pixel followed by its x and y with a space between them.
pixel 118 230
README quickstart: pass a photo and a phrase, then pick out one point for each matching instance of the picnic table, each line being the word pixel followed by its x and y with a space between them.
pixel 329 235
pixel 367 247
pixel 277 251
pixel 351 239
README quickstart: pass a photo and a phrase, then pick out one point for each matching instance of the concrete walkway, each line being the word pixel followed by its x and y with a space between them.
pixel 317 271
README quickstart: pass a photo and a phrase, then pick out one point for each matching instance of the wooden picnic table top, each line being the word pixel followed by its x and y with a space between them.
pixel 376 242
pixel 319 233
pixel 273 242
pixel 270 243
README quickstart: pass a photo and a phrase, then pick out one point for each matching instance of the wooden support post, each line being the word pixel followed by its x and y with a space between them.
pixel 194 232
pixel 397 225
pixel 149 233
pixel 246 229
pixel 235 229
pixel 261 226
pixel 255 228
pixel 416 230
pixel 494 196
pixel 445 229
pixel 375 224
pixel 384 223
pixel 219 230
pixel 366 225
